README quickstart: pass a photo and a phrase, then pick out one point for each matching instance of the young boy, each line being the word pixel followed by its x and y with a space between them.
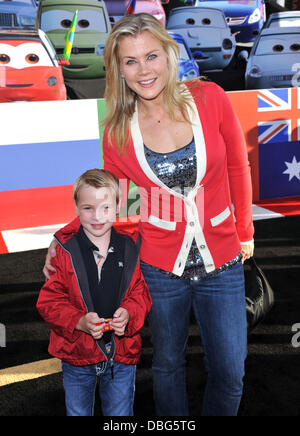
pixel 97 278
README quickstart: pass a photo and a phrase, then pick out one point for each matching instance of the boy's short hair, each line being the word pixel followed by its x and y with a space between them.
pixel 97 179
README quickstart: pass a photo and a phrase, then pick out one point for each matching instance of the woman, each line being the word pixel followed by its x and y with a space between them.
pixel 182 145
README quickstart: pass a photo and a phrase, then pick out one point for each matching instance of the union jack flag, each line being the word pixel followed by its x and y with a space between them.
pixel 131 7
pixel 274 100
pixel 280 125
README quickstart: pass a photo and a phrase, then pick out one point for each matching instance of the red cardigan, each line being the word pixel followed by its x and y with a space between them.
pixel 169 220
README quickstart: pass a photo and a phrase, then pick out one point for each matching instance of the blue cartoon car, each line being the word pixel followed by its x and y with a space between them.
pixel 188 67
pixel 206 33
pixel 274 59
pixel 244 17
pixel 18 14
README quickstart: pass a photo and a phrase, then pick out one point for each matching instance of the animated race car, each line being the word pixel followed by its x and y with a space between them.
pixel 206 33
pixel 244 17
pixel 29 69
pixel 188 67
pixel 93 26
pixel 274 59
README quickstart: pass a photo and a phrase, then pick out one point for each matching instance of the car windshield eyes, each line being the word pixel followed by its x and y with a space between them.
pixel 295 47
pixel 278 48
pixel 66 23
pixel 83 23
pixel 32 58
pixel 4 59
pixel 190 21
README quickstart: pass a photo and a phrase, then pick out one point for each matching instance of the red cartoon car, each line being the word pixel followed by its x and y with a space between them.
pixel 29 68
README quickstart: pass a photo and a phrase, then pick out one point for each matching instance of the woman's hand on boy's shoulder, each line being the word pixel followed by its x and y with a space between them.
pixel 48 268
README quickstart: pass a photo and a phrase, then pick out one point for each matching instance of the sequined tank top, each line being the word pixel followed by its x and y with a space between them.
pixel 178 170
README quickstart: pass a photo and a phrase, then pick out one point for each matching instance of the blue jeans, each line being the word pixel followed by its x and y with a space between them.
pixel 219 306
pixel 117 393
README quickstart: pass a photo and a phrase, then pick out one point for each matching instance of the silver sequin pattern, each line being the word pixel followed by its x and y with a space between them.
pixel 178 170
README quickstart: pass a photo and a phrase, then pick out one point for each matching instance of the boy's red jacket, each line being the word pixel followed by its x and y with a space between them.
pixel 65 298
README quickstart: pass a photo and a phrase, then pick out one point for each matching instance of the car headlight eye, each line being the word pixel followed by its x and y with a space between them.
pixel 255 16
pixel 191 74
pixel 52 81
pixel 27 20
pixel 100 50
pixel 255 72
pixel 227 44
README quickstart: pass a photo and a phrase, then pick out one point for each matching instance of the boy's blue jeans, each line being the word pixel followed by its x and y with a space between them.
pixel 117 394
pixel 219 307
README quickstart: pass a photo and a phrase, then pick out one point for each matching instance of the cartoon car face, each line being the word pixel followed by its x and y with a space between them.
pixel 93 26
pixel 152 7
pixel 188 67
pixel 29 70
pixel 244 17
pixel 18 13
pixel 206 33
pixel 274 59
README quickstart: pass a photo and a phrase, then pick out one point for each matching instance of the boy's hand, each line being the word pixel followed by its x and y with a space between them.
pixel 88 324
pixel 120 321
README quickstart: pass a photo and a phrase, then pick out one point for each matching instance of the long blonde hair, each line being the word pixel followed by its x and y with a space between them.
pixel 120 99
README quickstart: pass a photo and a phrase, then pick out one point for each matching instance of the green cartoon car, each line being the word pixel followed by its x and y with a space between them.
pixel 93 26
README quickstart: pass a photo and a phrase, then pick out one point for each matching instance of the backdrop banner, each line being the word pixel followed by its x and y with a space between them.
pixel 45 146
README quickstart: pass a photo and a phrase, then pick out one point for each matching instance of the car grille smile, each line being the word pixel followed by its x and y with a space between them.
pixel 235 21
pixel 19 86
pixel 77 50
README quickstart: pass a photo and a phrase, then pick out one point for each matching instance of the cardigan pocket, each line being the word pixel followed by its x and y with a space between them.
pixel 166 225
pixel 221 217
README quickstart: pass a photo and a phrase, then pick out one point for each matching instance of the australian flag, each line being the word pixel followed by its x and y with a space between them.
pixel 279 143
pixel 279 169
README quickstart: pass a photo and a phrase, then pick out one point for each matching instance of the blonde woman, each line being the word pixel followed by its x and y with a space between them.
pixel 182 145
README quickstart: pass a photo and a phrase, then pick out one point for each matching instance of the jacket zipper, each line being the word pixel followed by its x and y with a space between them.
pixel 81 291
pixel 120 301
